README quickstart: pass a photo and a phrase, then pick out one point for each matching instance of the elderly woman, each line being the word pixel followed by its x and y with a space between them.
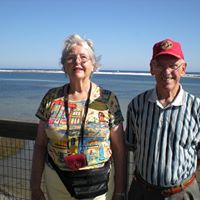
pixel 80 130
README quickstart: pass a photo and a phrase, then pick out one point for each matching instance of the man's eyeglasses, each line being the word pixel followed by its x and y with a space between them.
pixel 172 67
pixel 73 57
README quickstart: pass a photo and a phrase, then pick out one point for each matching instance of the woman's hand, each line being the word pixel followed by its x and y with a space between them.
pixel 119 196
pixel 37 195
pixel 119 157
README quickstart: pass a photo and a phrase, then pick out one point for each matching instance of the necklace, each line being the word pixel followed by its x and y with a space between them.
pixel 82 130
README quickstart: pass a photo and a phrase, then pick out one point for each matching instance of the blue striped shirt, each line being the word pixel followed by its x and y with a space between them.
pixel 165 139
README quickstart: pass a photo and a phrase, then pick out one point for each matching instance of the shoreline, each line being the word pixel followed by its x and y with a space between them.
pixel 189 74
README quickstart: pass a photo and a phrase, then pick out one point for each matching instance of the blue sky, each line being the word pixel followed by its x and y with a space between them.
pixel 123 32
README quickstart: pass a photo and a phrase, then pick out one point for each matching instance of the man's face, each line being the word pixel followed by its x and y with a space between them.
pixel 167 70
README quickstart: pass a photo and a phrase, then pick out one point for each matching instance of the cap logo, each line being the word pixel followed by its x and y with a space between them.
pixel 166 45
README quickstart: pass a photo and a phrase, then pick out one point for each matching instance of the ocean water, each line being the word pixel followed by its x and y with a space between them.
pixel 21 92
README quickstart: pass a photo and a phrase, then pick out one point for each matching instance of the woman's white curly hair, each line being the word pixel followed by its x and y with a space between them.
pixel 76 39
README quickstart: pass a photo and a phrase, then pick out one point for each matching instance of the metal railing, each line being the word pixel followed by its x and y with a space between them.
pixel 16 148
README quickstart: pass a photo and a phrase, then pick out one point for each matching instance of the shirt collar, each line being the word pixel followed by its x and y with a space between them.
pixel 178 101
pixel 95 92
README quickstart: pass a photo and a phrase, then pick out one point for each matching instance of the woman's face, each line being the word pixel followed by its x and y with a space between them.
pixel 167 71
pixel 78 63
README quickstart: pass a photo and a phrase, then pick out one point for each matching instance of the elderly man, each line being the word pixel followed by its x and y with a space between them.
pixel 163 126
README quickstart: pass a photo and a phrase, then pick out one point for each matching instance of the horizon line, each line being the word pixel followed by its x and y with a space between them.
pixel 111 72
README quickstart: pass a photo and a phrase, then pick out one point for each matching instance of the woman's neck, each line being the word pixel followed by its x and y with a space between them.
pixel 78 90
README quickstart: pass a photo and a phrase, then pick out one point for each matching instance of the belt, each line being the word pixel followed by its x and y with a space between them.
pixel 165 191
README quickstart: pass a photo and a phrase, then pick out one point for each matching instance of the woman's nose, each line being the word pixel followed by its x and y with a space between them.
pixel 77 59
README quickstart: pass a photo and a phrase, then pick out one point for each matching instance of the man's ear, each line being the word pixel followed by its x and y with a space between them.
pixel 183 69
pixel 152 63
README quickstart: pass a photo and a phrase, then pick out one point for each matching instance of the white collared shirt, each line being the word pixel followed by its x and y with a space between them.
pixel 178 101
pixel 165 140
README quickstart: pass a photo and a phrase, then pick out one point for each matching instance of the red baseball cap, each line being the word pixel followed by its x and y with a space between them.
pixel 167 46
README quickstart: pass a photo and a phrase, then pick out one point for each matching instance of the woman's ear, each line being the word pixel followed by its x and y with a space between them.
pixel 64 68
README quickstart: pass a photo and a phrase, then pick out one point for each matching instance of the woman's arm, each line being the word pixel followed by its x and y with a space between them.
pixel 119 156
pixel 38 161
